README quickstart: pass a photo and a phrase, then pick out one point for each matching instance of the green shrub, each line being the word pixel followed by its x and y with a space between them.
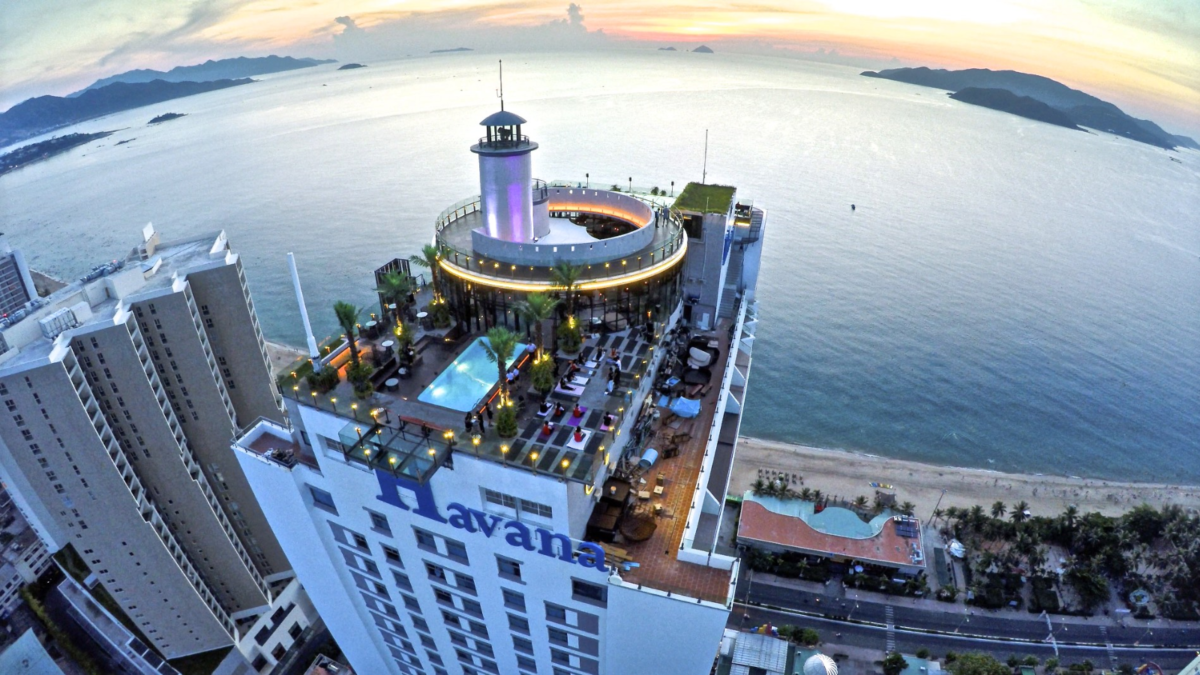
pixel 360 372
pixel 323 381
pixel 569 337
pixel 542 375
pixel 506 421
pixel 922 653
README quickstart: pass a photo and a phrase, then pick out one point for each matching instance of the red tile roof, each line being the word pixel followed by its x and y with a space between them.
pixel 763 525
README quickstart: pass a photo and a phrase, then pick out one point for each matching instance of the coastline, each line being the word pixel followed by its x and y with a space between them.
pixel 282 356
pixel 847 474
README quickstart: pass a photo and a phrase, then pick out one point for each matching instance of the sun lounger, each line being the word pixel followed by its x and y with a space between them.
pixel 572 390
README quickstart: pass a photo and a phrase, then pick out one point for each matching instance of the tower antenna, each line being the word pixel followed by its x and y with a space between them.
pixel 704 175
pixel 501 93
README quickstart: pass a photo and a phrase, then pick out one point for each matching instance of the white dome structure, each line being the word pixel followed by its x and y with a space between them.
pixel 819 664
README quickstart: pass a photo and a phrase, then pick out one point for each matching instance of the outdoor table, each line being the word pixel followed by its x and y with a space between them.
pixel 391 384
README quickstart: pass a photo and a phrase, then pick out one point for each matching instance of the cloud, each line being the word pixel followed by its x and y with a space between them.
pixel 476 28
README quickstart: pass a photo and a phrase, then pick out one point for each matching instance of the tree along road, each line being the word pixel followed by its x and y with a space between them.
pixel 835 633
pixel 980 623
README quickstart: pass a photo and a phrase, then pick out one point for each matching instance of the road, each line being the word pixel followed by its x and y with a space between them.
pixel 870 636
pixel 980 623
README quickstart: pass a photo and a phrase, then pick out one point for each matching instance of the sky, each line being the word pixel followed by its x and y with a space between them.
pixel 1143 55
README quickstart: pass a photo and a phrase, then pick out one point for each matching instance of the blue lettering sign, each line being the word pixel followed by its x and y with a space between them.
pixel 516 533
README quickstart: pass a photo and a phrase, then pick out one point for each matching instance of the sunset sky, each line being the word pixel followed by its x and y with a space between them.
pixel 1144 55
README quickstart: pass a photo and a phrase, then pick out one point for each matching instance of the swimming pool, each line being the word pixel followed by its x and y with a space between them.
pixel 466 381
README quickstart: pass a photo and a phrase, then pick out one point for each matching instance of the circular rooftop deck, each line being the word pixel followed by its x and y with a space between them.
pixel 656 244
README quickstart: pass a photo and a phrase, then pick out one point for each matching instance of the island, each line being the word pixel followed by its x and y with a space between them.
pixel 1006 101
pixel 167 117
pixel 352 66
pixel 39 115
pixel 36 152
pixel 1078 108
pixel 702 49
pixel 666 49
pixel 222 69
pixel 448 51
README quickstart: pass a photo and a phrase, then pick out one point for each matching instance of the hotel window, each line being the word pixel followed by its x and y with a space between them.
pixel 556 613
pixel 443 597
pixel 322 499
pixel 360 541
pixel 560 657
pixel 393 556
pixel 518 623
pixel 379 523
pixel 425 540
pixel 464 582
pixel 458 639
pixel 510 569
pixel 402 581
pixel 411 603
pixel 526 663
pixel 558 636
pixel 435 572
pixel 500 499
pixel 522 645
pixel 428 641
pixel 582 590
pixel 514 600
pixel 457 551
pixel 419 623
pixel 471 607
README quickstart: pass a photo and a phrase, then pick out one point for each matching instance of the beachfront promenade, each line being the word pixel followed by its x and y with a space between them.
pixel 869 614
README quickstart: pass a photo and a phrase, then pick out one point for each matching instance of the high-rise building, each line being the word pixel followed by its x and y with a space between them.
pixel 586 543
pixel 120 393
pixel 16 285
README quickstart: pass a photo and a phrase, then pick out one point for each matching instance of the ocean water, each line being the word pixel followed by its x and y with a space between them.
pixel 1007 295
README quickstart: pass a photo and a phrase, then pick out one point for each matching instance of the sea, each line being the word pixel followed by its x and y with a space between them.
pixel 1006 294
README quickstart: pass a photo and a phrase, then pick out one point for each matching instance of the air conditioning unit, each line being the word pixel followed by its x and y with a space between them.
pixel 54 324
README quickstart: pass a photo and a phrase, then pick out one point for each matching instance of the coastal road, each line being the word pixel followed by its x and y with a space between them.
pixel 868 636
pixel 981 623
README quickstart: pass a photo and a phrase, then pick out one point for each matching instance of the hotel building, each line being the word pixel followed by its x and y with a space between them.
pixel 588 543
pixel 121 392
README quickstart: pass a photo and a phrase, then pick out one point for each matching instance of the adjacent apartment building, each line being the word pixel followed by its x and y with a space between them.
pixel 16 284
pixel 120 394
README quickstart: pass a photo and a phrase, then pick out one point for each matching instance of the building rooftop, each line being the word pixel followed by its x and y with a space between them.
pixel 701 198
pixel 323 665
pixel 657 556
pixel 95 298
pixel 880 541
pixel 27 656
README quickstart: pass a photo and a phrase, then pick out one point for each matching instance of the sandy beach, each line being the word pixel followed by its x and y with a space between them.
pixel 282 356
pixel 847 474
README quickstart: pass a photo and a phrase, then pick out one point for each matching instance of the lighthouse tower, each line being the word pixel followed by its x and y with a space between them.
pixel 514 208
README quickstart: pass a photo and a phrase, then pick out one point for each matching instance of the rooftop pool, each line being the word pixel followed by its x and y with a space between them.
pixel 464 383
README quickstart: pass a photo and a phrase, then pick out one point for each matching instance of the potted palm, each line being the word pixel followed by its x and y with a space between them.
pixel 347 318
pixel 499 348
pixel 428 258
pixel 567 276
pixel 395 288
pixel 536 309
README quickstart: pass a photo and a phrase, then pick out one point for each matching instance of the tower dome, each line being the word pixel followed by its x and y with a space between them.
pixel 819 664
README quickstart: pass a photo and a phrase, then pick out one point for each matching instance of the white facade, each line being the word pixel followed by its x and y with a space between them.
pixel 402 592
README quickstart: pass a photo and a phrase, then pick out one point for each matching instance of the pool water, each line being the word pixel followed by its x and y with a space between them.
pixel 468 379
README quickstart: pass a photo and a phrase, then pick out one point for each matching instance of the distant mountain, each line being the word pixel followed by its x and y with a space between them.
pixel 447 51
pixel 224 69
pixel 1082 109
pixel 1006 101
pixel 666 49
pixel 352 66
pixel 703 49
pixel 45 113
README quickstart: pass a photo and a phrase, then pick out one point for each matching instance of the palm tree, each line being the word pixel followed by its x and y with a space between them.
pixel 817 495
pixel 535 309
pixel 1018 512
pixel 499 349
pixel 907 508
pixel 347 318
pixel 395 289
pixel 998 509
pixel 976 516
pixel 806 494
pixel 938 514
pixel 860 502
pixel 567 275
pixel 428 258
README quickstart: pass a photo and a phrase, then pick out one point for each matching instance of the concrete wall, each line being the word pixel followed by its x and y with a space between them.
pixel 604 202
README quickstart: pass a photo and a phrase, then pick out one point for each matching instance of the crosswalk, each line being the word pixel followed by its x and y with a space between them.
pixel 1112 655
pixel 890 615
